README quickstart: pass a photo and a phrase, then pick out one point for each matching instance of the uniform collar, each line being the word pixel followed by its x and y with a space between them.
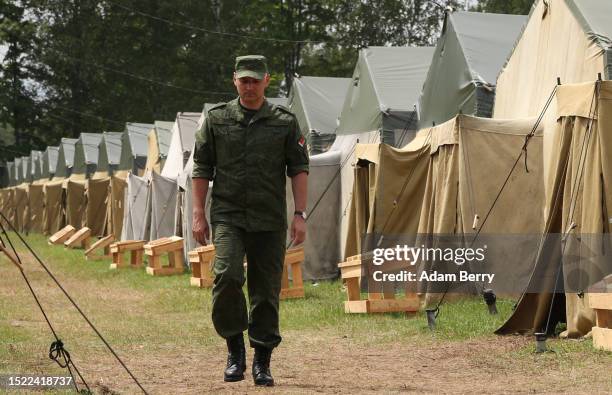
pixel 237 112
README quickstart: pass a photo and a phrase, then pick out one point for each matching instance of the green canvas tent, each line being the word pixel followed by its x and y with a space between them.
pixel 10 167
pixel 86 155
pixel 109 154
pixel 383 92
pixel 181 143
pixel 35 166
pixel 134 148
pixel 23 169
pixel 49 162
pixel 317 102
pixel 17 175
pixel 469 55
pixel 65 158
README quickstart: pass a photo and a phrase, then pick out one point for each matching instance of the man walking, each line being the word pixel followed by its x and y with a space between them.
pixel 247 146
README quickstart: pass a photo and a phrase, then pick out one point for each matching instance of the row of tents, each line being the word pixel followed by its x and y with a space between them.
pixel 418 140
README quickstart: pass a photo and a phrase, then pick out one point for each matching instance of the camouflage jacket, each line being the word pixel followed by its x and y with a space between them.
pixel 248 163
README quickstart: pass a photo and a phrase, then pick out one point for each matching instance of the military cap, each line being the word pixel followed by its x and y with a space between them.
pixel 254 66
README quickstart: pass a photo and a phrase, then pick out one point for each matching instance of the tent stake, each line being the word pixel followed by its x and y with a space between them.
pixel 431 318
pixel 540 342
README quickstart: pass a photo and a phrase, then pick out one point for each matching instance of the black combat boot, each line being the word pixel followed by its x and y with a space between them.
pixel 236 359
pixel 261 367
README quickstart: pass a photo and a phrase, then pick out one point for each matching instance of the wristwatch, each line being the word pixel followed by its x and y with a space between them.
pixel 301 214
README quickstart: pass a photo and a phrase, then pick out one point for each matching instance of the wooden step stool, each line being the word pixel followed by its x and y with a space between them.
pixel 102 244
pixel 134 247
pixel 201 260
pixel 62 235
pixel 173 246
pixel 80 238
pixel 602 303
pixel 293 258
pixel 376 302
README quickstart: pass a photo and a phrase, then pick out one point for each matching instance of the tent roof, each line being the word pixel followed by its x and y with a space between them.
pixel 67 146
pixel 182 141
pixel 486 40
pixel 187 126
pixel 52 153
pixel 90 143
pixel 469 55
pixel 112 144
pixel 321 101
pixel 594 17
pixel 386 80
pixel 163 130
pixel 137 135
pixel 35 164
pixel 398 74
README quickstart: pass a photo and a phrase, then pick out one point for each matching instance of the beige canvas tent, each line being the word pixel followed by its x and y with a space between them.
pixel 77 196
pixel 382 172
pixel 449 175
pixel 54 215
pixel 569 39
pixel 469 160
pixel 158 143
pixel 577 222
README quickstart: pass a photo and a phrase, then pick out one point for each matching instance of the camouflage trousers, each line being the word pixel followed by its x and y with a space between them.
pixel 265 253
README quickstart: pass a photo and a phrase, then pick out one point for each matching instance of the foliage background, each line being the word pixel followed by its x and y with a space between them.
pixel 73 66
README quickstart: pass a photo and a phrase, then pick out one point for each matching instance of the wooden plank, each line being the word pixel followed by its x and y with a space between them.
pixel 604 318
pixel 296 274
pixel 356 306
pixel 600 301
pixel 393 305
pixel 62 235
pixel 349 264
pixel 375 296
pixel 196 269
pixel 127 245
pixel 201 282
pixel 285 278
pixel 164 271
pixel 293 292
pixel 352 289
pixel 602 338
pixel 165 244
pixel 351 272
pixel 101 243
pixel 78 238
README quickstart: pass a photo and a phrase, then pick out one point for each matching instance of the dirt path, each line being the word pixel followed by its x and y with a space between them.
pixel 308 361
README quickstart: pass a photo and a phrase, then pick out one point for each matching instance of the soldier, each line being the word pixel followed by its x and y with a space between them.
pixel 247 146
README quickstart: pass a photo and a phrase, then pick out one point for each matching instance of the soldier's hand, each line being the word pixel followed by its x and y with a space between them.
pixel 298 230
pixel 201 231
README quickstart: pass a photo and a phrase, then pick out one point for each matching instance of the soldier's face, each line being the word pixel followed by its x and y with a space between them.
pixel 251 89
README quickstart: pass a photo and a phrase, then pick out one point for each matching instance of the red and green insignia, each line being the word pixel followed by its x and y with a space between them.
pixel 301 141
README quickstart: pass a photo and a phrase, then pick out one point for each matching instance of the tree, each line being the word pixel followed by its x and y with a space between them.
pixel 518 7
pixel 17 95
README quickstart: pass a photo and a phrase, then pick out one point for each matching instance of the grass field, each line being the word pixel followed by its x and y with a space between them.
pixel 161 327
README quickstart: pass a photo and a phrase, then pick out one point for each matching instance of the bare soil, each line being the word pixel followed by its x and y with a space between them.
pixel 308 361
